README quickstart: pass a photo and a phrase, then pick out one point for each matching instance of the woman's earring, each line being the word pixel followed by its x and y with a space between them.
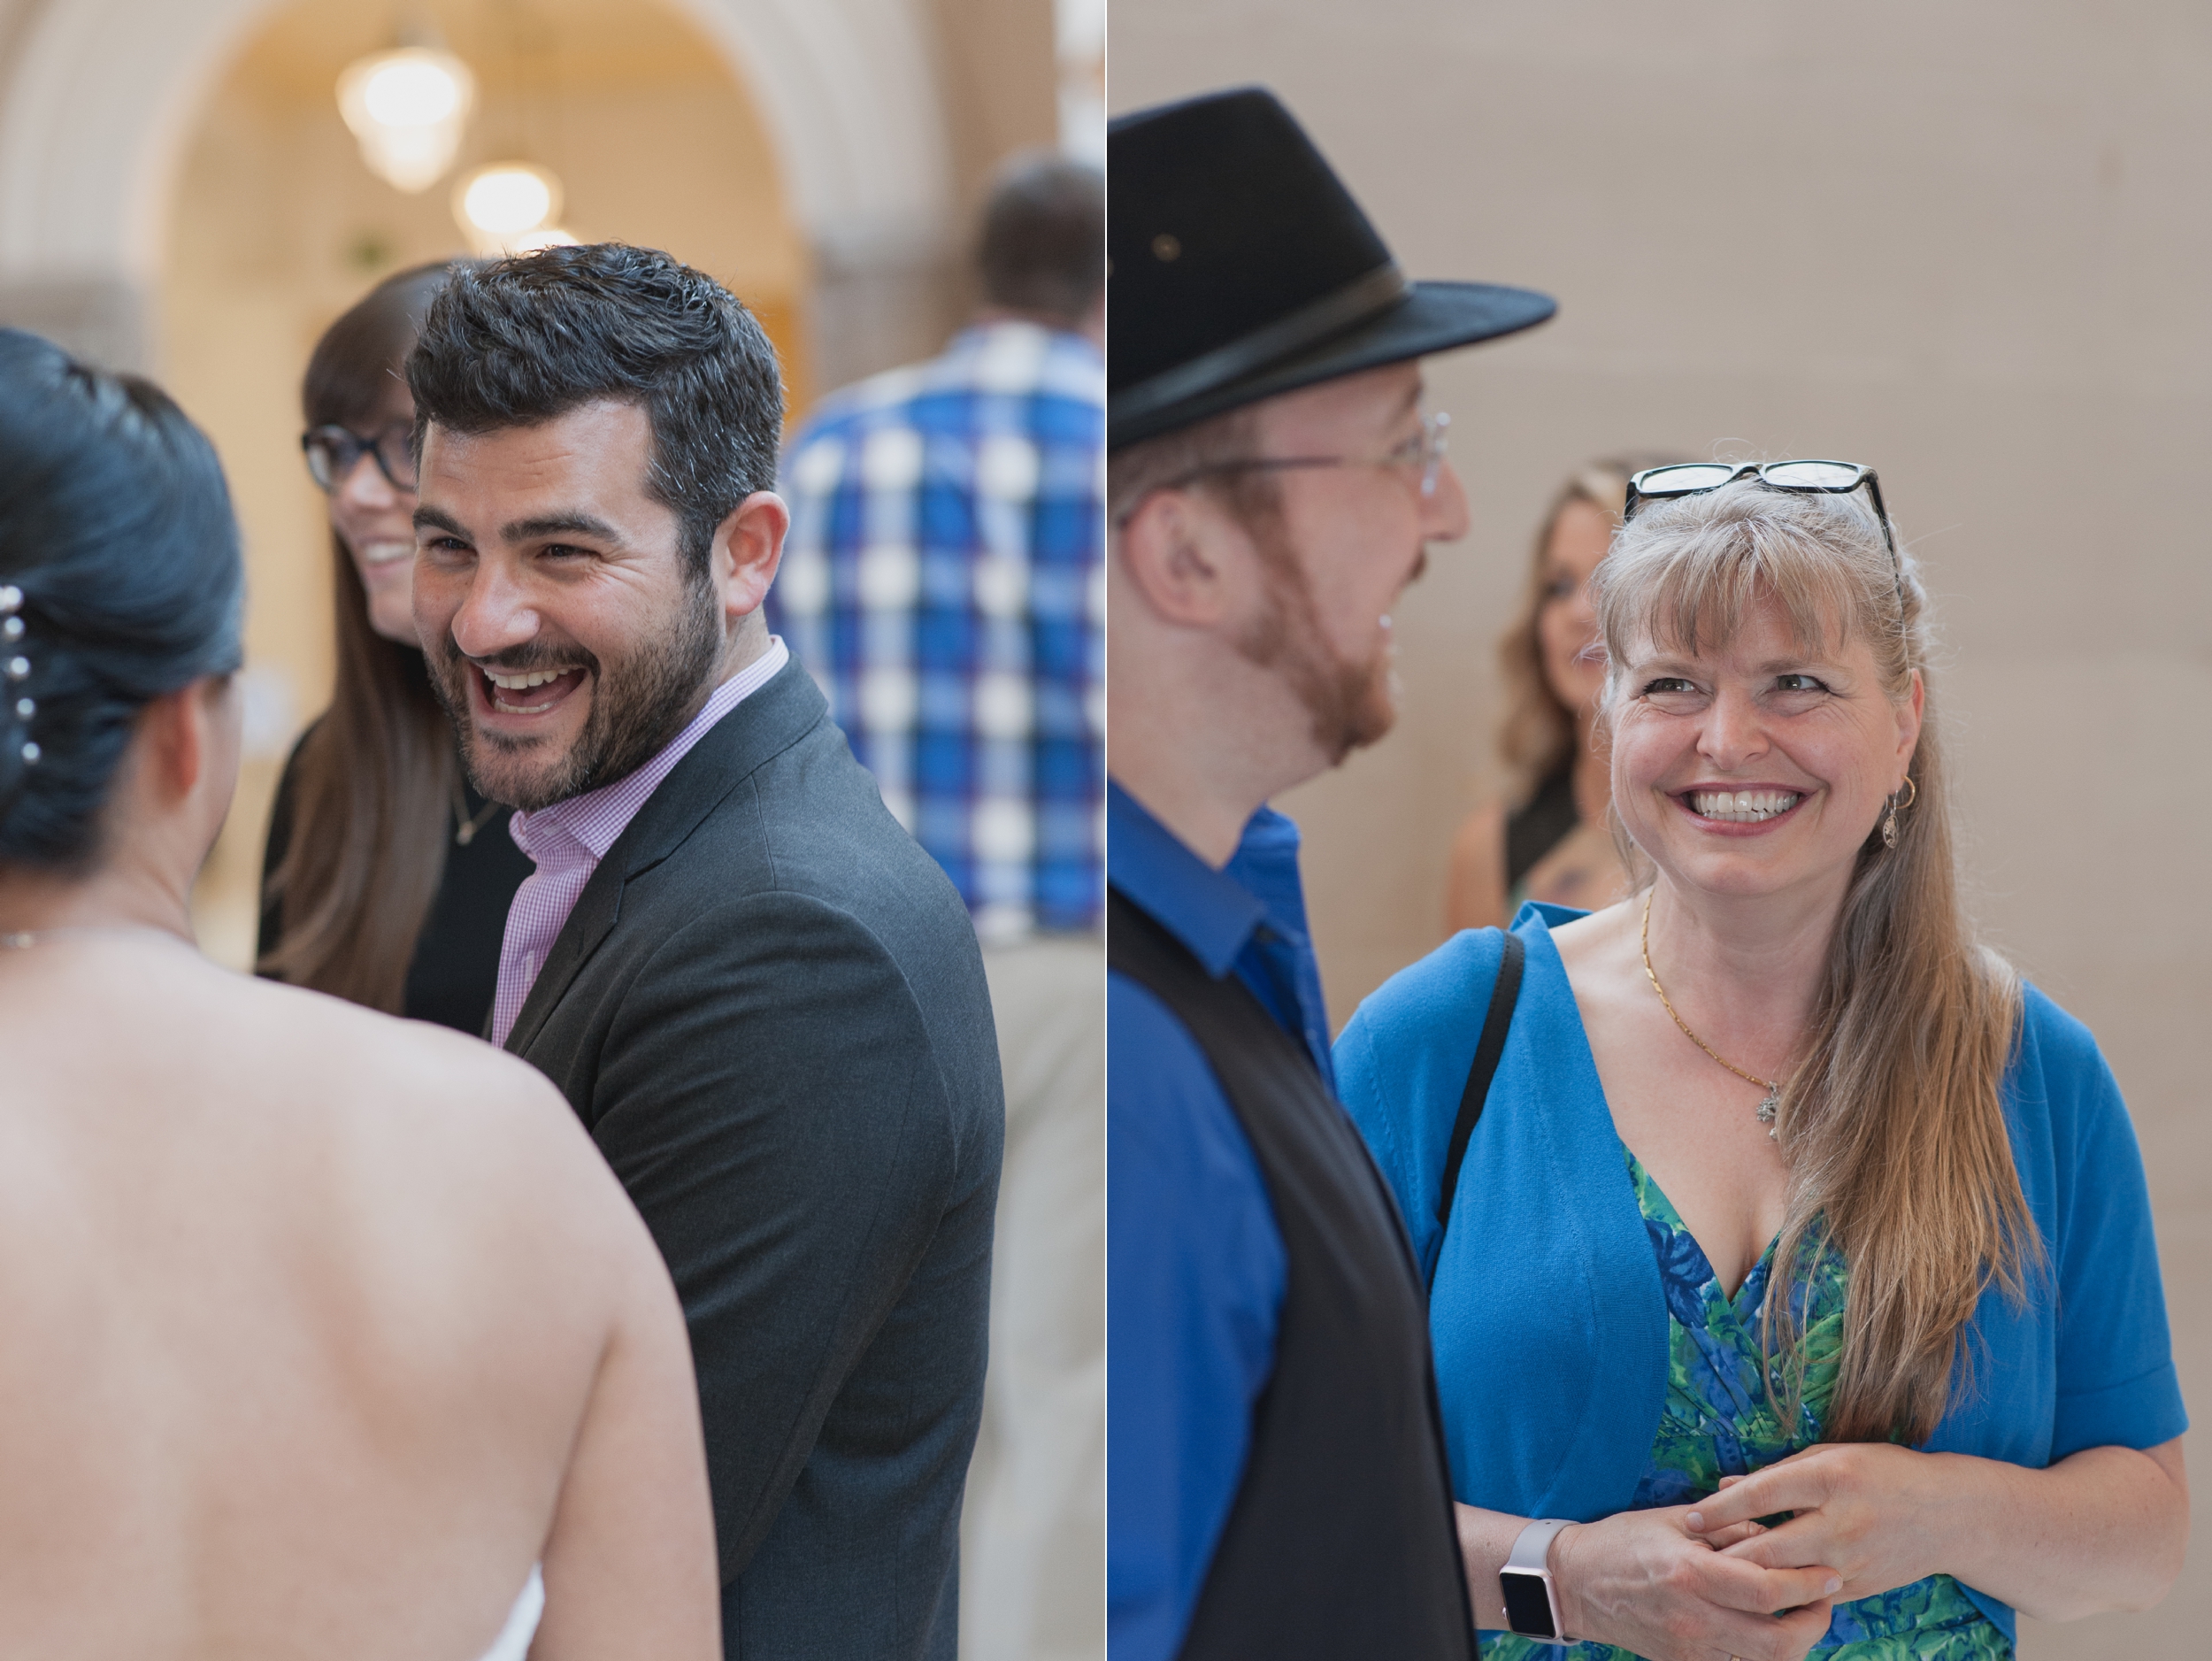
pixel 1889 820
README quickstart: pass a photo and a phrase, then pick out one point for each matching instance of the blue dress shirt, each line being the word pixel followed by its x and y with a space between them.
pixel 1196 1269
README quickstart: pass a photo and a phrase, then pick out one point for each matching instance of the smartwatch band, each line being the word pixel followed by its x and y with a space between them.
pixel 1531 1600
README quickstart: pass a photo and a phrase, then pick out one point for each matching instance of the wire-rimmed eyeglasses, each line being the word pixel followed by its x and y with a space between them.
pixel 1812 478
pixel 333 450
pixel 1424 449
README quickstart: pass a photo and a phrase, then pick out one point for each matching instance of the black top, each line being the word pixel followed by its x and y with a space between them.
pixel 1536 827
pixel 1341 1540
pixel 768 1008
pixel 456 966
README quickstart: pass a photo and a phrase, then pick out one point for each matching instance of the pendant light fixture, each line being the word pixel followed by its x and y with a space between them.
pixel 510 207
pixel 408 107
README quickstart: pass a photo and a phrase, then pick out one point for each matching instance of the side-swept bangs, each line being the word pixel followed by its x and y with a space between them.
pixel 1685 574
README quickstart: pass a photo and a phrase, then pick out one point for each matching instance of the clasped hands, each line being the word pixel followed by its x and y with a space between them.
pixel 1706 1583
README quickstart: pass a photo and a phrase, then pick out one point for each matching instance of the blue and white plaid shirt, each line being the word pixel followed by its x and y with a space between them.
pixel 944 581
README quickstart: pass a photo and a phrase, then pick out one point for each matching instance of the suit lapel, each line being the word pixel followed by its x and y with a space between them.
pixel 766 723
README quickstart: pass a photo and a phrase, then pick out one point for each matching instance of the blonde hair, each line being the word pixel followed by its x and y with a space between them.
pixel 1891 1121
pixel 1538 733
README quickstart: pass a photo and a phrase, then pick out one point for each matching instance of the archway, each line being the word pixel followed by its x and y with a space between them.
pixel 136 192
pixel 99 96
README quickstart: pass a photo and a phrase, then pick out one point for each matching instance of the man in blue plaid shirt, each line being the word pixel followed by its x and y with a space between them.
pixel 944 581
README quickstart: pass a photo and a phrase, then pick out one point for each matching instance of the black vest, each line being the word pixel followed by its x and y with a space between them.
pixel 1340 1543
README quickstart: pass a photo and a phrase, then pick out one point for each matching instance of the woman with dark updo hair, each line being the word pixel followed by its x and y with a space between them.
pixel 386 877
pixel 326 1331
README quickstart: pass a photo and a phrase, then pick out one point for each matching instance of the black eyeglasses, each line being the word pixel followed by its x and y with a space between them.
pixel 332 452
pixel 1812 478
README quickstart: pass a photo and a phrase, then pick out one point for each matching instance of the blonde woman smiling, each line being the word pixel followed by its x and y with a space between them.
pixel 1788 1199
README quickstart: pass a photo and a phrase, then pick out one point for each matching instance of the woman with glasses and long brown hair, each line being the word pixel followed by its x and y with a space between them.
pixel 1549 839
pixel 1769 1194
pixel 387 878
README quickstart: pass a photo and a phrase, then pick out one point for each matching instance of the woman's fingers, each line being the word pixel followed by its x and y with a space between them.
pixel 1736 1582
pixel 1779 1487
pixel 1788 1547
pixel 1721 1538
pixel 1782 1638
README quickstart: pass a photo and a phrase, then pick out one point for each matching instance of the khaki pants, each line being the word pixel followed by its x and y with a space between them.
pixel 1032 1537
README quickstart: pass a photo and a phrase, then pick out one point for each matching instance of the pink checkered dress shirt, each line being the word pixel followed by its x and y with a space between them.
pixel 567 840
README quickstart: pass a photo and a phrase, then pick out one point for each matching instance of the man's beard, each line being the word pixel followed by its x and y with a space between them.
pixel 636 707
pixel 1351 704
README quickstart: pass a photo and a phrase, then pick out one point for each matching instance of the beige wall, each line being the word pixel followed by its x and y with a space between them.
pixel 1965 244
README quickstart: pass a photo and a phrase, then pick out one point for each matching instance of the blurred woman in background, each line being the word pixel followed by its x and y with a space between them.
pixel 386 877
pixel 328 1334
pixel 1555 845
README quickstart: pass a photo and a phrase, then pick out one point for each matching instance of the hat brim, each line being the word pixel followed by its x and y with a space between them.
pixel 1434 317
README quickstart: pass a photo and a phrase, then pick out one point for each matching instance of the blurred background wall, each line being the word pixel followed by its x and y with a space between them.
pixel 178 196
pixel 1966 244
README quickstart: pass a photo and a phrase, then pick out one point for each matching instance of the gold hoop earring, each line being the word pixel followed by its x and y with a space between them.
pixel 1889 820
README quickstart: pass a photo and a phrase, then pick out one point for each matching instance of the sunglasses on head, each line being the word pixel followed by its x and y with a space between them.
pixel 1810 478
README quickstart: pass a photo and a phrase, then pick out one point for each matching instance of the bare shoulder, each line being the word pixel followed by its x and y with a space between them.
pixel 443 1116
pixel 1474 895
pixel 1481 834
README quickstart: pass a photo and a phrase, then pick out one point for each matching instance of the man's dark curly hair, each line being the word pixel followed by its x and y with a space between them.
pixel 523 341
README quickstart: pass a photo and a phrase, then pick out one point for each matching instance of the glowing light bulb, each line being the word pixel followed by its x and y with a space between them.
pixel 509 207
pixel 408 108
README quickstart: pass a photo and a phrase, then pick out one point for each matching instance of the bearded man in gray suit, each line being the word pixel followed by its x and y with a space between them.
pixel 763 999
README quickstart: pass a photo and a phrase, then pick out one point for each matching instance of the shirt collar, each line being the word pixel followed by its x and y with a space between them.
pixel 1212 913
pixel 1057 337
pixel 597 818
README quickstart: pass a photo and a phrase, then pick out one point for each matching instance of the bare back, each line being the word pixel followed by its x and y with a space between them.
pixel 313 1318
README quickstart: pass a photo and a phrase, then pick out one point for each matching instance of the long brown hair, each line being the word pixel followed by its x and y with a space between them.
pixel 1538 733
pixel 1890 1123
pixel 374 783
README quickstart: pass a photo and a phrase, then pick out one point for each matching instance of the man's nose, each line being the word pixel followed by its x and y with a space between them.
pixel 1444 510
pixel 495 615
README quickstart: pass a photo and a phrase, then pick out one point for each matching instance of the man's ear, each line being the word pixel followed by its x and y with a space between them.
pixel 747 549
pixel 1184 556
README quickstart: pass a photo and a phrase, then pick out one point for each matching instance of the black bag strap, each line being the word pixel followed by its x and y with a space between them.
pixel 1505 993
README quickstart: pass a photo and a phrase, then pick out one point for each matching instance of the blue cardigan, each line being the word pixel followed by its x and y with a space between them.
pixel 1549 1326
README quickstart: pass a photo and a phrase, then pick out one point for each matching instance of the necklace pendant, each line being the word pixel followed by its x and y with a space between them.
pixel 1766 1108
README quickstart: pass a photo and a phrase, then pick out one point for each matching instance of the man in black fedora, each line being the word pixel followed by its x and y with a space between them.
pixel 1277 1482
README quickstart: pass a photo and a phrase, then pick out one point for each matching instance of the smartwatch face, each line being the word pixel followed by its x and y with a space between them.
pixel 1527 1603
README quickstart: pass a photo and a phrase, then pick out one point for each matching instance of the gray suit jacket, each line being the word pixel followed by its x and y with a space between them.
pixel 769 1010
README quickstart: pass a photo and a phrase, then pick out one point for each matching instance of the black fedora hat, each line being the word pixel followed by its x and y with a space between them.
pixel 1239 267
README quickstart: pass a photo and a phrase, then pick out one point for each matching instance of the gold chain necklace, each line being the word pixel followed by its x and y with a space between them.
pixel 1772 1087
pixel 464 825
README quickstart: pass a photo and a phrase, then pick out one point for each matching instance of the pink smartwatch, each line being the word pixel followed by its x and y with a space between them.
pixel 1532 1602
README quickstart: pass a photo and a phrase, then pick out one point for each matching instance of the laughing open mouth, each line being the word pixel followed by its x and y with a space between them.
pixel 529 693
pixel 1741 807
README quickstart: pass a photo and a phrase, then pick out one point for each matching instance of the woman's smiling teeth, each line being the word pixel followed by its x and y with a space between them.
pixel 1743 807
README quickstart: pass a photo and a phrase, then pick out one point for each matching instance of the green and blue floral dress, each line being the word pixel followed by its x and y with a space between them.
pixel 1722 1416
